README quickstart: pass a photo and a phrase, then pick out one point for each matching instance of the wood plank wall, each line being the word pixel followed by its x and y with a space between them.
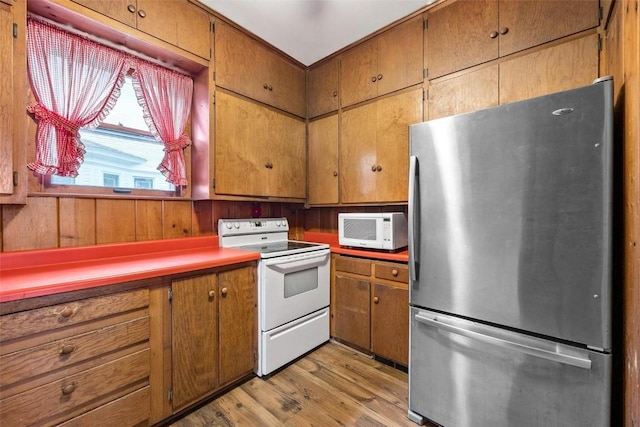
pixel 51 222
pixel 620 58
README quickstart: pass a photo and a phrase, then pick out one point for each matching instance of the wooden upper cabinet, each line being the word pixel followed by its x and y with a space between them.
pixel 177 22
pixel 322 93
pixel 247 67
pixel 374 149
pixel 6 100
pixel 258 151
pixel 466 33
pixel 390 61
pixel 323 161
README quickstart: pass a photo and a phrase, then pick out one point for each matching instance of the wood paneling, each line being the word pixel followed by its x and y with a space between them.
pixel 32 226
pixel 203 218
pixel 148 219
pixel 177 219
pixel 115 221
pixel 77 222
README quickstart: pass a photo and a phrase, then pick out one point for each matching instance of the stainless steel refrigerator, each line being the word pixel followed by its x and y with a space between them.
pixel 510 258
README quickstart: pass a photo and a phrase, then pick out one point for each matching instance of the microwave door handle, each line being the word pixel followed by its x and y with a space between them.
pixel 414 217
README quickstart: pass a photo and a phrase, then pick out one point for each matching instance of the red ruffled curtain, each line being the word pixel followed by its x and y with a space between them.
pixel 76 82
pixel 165 97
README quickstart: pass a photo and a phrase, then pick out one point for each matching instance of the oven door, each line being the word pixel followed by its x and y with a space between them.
pixel 292 286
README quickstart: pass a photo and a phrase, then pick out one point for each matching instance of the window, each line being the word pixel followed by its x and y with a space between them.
pixel 121 152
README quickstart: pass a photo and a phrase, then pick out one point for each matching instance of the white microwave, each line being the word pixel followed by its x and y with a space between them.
pixel 386 230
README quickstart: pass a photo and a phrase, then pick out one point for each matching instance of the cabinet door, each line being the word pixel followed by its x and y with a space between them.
pixel 561 67
pixel 6 100
pixel 194 332
pixel 463 93
pixel 374 149
pixel 352 311
pixel 238 323
pixel 240 147
pixel 323 161
pixel 124 11
pixel 358 72
pixel 400 57
pixel 530 23
pixel 193 30
pixel 323 88
pixel 461 35
pixel 287 89
pixel 286 156
pixel 390 322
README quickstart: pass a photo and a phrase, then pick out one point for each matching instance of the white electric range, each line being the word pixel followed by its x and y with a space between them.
pixel 293 288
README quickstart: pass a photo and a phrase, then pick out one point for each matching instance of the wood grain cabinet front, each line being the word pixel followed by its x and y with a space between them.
pixel 370 306
pixel 374 148
pixel 214 332
pixel 462 34
pixel 323 161
pixel 177 22
pixel 13 69
pixel 322 92
pixel 78 360
pixel 258 151
pixel 388 62
pixel 247 67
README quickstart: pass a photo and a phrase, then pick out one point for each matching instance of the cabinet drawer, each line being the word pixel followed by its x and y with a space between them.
pixel 47 319
pixel 129 410
pixel 353 265
pixel 394 272
pixel 73 395
pixel 32 367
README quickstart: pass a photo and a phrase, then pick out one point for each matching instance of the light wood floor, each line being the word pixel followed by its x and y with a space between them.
pixel 333 386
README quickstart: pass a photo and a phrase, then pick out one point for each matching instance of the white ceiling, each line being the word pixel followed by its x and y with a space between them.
pixel 309 30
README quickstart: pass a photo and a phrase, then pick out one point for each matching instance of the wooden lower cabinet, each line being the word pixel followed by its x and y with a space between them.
pixel 76 360
pixel 370 306
pixel 214 332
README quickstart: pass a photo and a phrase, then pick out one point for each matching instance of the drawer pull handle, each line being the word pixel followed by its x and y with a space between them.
pixel 66 312
pixel 394 272
pixel 68 389
pixel 376 300
pixel 224 292
pixel 67 349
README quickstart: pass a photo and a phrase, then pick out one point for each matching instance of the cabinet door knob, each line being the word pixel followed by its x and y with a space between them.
pixel 335 93
pixel 373 168
pixel 379 76
pixel 66 312
pixel 394 272
pixel 373 79
pixel 335 173
pixel 503 30
pixel 493 34
pixel 270 87
pixel 376 300
pixel 265 86
pixel 131 8
pixel 68 389
pixel 212 294
pixel 142 14
pixel 67 349
pixel 224 291
pixel 378 168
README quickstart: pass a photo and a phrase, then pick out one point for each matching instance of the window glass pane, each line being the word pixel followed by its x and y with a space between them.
pixel 121 152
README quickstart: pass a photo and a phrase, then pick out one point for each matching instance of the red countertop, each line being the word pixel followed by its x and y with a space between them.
pixel 332 240
pixel 27 274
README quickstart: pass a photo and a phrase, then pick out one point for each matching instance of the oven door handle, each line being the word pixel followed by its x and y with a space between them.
pixel 297 264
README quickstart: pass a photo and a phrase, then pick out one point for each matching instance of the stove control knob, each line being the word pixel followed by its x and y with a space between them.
pixel 236 225
pixel 228 225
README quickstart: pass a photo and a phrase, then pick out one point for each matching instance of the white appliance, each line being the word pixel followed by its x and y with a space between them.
pixel 383 230
pixel 293 288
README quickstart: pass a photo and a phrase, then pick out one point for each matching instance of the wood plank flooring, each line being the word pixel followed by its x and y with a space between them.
pixel 332 386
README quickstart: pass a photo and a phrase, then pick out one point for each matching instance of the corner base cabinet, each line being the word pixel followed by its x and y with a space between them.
pixel 370 306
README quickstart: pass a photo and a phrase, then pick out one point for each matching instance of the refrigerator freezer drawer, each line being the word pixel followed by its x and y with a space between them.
pixel 463 373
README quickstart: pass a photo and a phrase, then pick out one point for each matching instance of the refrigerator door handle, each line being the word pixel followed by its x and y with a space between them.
pixel 580 362
pixel 413 217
